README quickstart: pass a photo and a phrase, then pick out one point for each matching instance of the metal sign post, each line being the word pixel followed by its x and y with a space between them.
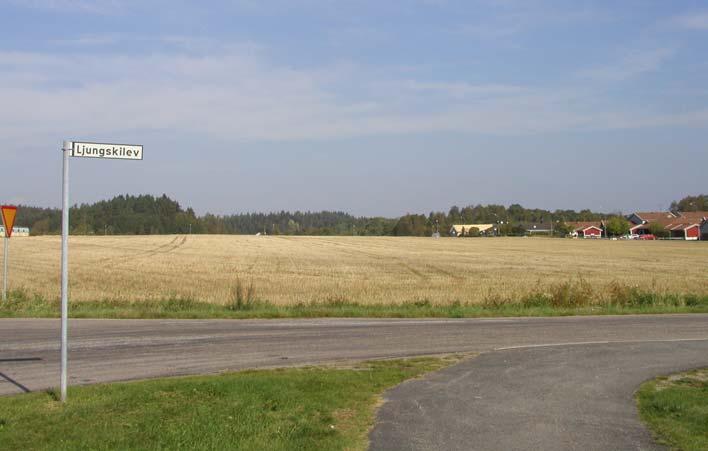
pixel 4 277
pixel 64 269
pixel 9 213
pixel 84 150
pixel 4 272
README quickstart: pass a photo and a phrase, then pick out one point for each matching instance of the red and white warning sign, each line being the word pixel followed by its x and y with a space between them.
pixel 8 218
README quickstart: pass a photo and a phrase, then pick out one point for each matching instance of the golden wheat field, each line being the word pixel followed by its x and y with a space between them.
pixel 291 269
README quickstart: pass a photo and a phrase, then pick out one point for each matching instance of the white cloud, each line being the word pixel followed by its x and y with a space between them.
pixel 238 95
pixel 93 40
pixel 491 32
pixel 85 6
pixel 513 18
pixel 461 89
pixel 697 21
pixel 631 65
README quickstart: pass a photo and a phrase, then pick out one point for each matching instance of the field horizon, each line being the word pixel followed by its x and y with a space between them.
pixel 291 270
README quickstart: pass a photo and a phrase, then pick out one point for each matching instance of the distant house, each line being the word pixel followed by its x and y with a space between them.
pixel 650 216
pixel 592 229
pixel 16 231
pixel 679 226
pixel 700 218
pixel 684 231
pixel 464 229
pixel 538 228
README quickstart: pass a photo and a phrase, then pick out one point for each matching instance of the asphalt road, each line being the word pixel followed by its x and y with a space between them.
pixel 112 350
pixel 539 383
pixel 569 397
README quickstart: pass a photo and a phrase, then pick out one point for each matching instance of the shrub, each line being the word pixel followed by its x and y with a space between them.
pixel 571 294
pixel 693 300
pixel 243 296
pixel 535 300
pixel 423 303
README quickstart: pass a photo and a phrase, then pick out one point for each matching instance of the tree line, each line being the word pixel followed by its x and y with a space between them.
pixel 691 203
pixel 509 220
pixel 122 215
pixel 151 215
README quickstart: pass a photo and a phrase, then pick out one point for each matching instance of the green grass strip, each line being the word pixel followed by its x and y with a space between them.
pixel 20 305
pixel 676 409
pixel 284 409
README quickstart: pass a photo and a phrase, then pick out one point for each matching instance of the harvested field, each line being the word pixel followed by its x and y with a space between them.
pixel 286 270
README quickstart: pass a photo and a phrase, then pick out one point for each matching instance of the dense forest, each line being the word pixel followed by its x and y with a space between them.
pixel 691 203
pixel 144 215
pixel 149 215
pixel 122 215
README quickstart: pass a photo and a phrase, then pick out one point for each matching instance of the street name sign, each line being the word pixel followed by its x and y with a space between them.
pixel 79 149
pixel 103 150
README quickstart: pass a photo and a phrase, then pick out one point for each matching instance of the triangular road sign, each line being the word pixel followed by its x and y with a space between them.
pixel 8 218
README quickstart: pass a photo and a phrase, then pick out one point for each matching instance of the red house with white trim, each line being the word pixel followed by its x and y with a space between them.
pixel 690 232
pixel 680 226
pixel 586 229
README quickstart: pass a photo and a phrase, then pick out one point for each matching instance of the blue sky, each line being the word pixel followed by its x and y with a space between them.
pixel 377 108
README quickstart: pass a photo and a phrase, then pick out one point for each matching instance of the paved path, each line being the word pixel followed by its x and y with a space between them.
pixel 571 397
pixel 109 350
pixel 541 383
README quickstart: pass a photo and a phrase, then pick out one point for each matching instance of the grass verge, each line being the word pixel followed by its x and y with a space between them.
pixel 282 409
pixel 573 298
pixel 676 409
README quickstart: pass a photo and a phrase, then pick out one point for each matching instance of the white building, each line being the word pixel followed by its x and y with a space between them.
pixel 16 231
pixel 464 229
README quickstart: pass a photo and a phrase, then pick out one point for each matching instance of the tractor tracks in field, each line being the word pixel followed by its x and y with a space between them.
pixel 163 249
pixel 351 250
pixel 279 259
pixel 169 247
pixel 253 264
pixel 445 272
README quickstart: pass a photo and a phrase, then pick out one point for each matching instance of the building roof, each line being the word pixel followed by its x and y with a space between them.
pixel 654 216
pixel 681 226
pixel 665 221
pixel 694 216
pixel 584 225
pixel 537 226
pixel 669 224
pixel 481 227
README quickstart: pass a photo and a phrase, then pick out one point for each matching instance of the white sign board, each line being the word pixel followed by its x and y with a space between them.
pixel 84 150
pixel 111 151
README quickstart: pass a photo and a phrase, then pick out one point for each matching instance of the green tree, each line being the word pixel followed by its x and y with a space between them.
pixel 412 225
pixel 691 203
pixel 40 227
pixel 293 227
pixel 617 226
pixel 454 215
pixel 658 230
pixel 562 229
pixel 126 214
pixel 517 230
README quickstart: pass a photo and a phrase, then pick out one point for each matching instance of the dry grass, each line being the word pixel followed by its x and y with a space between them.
pixel 290 270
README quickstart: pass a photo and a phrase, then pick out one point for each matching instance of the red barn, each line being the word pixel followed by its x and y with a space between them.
pixel 696 217
pixel 693 232
pixel 586 229
pixel 684 231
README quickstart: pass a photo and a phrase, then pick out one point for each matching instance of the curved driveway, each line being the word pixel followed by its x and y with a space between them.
pixel 570 397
